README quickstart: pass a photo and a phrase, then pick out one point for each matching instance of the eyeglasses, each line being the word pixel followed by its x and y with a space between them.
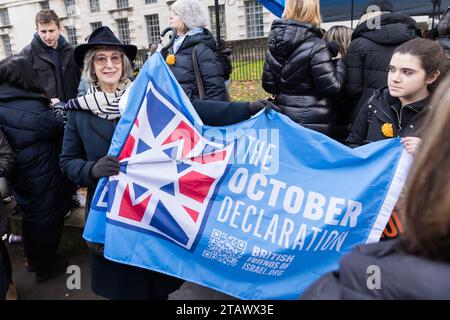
pixel 103 60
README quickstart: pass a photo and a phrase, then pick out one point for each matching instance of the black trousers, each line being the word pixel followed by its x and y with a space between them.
pixel 5 270
pixel 118 281
pixel 41 244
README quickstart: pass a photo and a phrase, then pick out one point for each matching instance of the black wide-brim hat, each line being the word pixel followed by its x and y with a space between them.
pixel 103 36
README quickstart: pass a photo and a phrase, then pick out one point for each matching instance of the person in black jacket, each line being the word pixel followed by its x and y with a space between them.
pixel 341 36
pixel 373 42
pixel 399 110
pixel 6 163
pixel 190 19
pixel 443 29
pixel 42 193
pixel 51 56
pixel 299 70
pixel 417 265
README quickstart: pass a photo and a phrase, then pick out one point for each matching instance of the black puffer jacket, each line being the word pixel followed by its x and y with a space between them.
pixel 6 163
pixel 210 67
pixel 402 276
pixel 370 52
pixel 383 109
pixel 35 134
pixel 300 73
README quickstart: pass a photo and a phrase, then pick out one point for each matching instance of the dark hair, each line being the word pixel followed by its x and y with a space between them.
pixel 15 71
pixel 443 26
pixel 46 17
pixel 427 213
pixel 430 54
pixel 384 5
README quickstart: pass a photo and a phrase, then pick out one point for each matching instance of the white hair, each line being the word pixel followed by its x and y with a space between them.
pixel 192 13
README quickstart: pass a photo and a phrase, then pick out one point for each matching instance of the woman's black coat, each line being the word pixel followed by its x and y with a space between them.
pixel 210 67
pixel 35 132
pixel 401 276
pixel 300 72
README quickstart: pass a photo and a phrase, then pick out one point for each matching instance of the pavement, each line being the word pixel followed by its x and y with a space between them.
pixel 66 287
pixel 57 288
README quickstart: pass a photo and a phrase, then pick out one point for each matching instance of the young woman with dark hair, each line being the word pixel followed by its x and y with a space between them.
pixel 15 71
pixel 417 266
pixel 399 109
pixel 374 39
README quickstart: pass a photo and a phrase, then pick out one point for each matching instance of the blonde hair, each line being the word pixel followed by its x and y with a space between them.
pixel 88 64
pixel 340 34
pixel 306 11
pixel 427 214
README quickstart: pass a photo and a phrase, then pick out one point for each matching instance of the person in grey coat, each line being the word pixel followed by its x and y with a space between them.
pixel 417 265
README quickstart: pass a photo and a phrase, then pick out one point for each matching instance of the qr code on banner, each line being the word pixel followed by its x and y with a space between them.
pixel 224 248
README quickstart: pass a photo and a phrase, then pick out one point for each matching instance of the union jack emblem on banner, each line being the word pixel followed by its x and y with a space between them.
pixel 168 174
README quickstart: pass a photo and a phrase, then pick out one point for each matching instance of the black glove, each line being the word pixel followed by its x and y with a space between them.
pixel 105 167
pixel 59 111
pixel 255 106
pixel 334 47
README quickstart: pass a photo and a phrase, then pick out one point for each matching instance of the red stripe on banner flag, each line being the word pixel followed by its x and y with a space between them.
pixel 194 214
pixel 195 185
pixel 210 158
pixel 186 133
pixel 127 148
pixel 130 211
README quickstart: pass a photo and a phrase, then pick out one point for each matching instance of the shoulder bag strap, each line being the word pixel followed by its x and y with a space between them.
pixel 198 77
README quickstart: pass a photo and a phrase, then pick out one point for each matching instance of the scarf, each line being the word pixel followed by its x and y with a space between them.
pixel 103 105
pixel 180 39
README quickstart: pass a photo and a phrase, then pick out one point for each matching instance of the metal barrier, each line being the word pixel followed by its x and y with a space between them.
pixel 247 58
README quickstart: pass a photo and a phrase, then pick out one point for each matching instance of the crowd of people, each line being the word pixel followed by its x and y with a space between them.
pixel 356 86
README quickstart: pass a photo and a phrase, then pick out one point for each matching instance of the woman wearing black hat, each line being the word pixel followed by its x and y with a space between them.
pixel 89 130
pixel 91 122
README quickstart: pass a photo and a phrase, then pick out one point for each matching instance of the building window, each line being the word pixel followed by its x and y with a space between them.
pixel 150 1
pixel 212 19
pixel 72 35
pixel 7 45
pixel 122 4
pixel 95 25
pixel 45 5
pixel 254 19
pixel 4 17
pixel 152 28
pixel 124 30
pixel 71 7
pixel 95 5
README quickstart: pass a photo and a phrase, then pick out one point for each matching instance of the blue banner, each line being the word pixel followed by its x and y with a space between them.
pixel 257 210
pixel 340 10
